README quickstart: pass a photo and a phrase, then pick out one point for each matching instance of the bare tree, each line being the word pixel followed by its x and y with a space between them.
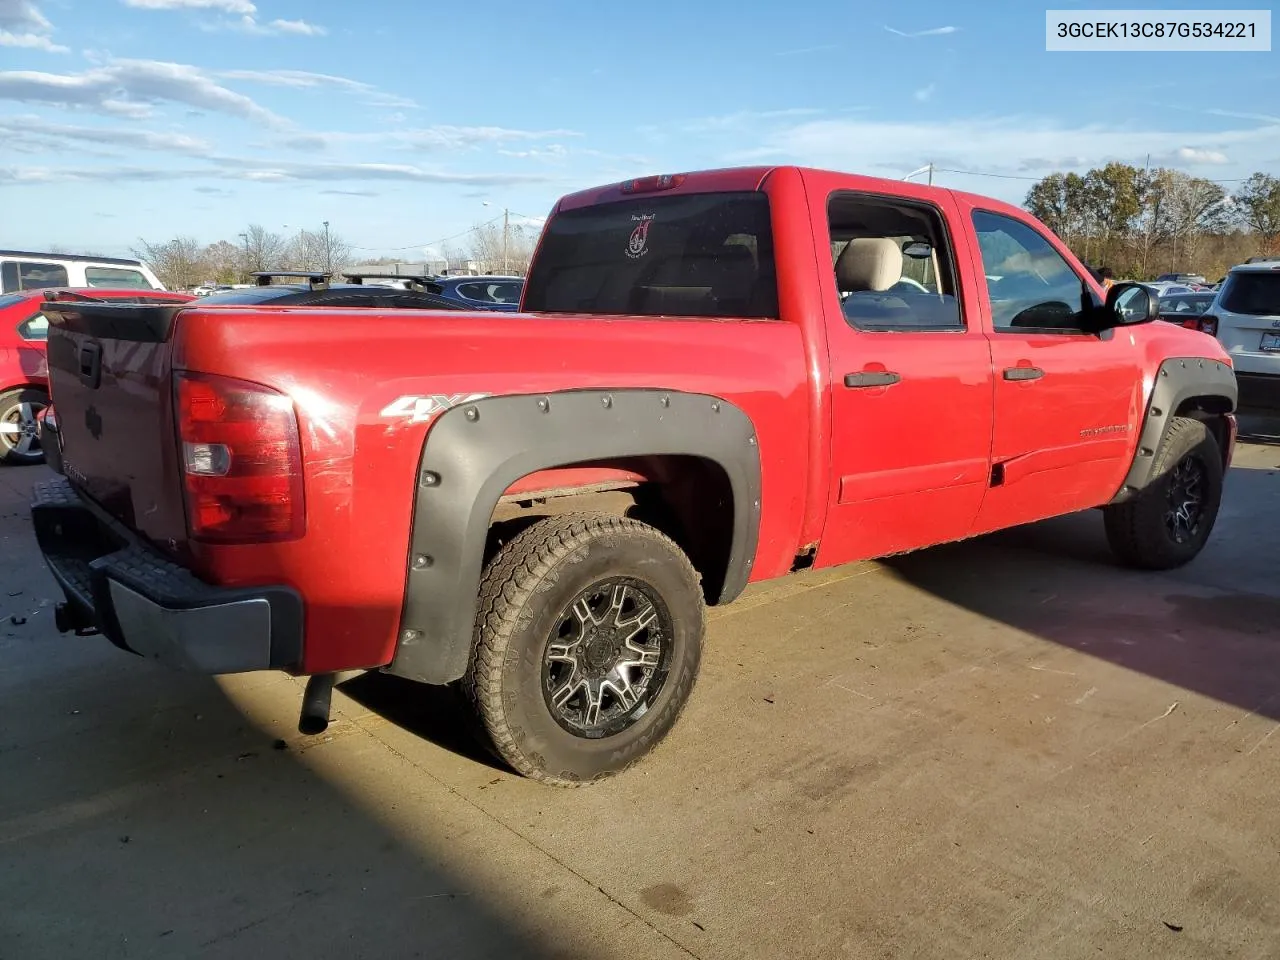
pixel 319 250
pixel 1196 207
pixel 178 262
pixel 497 248
pixel 224 261
pixel 263 249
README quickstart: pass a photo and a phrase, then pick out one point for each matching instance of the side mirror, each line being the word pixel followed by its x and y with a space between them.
pixel 1128 304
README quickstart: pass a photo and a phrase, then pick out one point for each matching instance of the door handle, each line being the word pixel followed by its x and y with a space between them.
pixel 1023 373
pixel 871 378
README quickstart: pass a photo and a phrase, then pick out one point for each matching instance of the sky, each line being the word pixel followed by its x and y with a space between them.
pixel 404 124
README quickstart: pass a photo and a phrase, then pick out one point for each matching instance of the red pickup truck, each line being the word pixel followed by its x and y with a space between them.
pixel 716 378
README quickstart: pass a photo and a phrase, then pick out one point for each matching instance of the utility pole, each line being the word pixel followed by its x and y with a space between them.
pixel 506 227
pixel 931 174
pixel 328 250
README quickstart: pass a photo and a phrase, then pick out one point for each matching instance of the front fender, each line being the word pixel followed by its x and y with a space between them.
pixel 475 451
pixel 1178 380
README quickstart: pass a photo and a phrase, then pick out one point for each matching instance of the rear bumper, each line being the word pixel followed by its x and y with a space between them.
pixel 146 604
pixel 1258 391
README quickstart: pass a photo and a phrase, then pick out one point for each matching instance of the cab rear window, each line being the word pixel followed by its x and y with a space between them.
pixel 696 255
pixel 1256 294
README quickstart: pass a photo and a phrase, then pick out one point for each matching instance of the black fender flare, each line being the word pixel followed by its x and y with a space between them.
pixel 1178 380
pixel 475 451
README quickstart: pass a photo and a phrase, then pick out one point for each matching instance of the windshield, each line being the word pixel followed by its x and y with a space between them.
pixel 698 255
pixel 1256 294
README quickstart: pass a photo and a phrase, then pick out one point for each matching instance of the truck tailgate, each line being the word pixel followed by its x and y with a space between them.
pixel 110 378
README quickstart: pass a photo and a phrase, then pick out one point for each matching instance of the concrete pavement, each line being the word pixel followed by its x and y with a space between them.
pixel 1004 748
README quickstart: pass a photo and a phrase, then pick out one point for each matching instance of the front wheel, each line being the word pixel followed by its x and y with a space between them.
pixel 587 644
pixel 19 426
pixel 1168 523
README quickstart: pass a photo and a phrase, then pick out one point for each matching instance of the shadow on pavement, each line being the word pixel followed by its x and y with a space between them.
pixel 437 714
pixel 1212 627
pixel 145 814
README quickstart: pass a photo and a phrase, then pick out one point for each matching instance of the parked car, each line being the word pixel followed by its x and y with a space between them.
pixel 473 293
pixel 314 290
pixel 1182 279
pixel 540 507
pixel 1187 309
pixel 1245 316
pixel 24 372
pixel 23 270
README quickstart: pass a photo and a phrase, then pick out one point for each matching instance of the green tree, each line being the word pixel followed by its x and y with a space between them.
pixel 1258 203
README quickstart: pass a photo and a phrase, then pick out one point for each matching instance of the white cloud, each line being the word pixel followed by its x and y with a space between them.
pixel 931 32
pixel 304 79
pixel 23 25
pixel 23 15
pixel 223 6
pixel 250 24
pixel 265 171
pixel 1011 146
pixel 299 27
pixel 31 41
pixel 440 137
pixel 132 88
pixel 37 131
pixel 925 92
pixel 1193 155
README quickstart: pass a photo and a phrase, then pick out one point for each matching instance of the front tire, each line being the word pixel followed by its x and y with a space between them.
pixel 587 645
pixel 19 428
pixel 1167 524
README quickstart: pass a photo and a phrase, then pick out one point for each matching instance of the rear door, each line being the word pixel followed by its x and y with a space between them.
pixel 109 371
pixel 1067 402
pixel 911 401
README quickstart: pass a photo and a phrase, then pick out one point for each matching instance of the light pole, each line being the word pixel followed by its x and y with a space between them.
pixel 927 167
pixel 245 238
pixel 328 254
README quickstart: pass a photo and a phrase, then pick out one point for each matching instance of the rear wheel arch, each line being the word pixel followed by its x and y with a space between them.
pixel 683 443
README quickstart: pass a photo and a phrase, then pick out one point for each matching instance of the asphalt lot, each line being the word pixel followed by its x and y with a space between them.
pixel 1003 748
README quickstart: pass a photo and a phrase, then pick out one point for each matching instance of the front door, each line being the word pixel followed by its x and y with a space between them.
pixel 1068 403
pixel 911 407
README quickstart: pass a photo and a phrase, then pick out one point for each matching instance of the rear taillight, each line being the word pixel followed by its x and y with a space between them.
pixel 241 460
pixel 1209 324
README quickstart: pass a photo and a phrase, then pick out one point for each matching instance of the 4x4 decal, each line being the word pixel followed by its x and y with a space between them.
pixel 415 408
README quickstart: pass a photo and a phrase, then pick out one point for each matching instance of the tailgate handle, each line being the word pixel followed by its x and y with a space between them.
pixel 91 365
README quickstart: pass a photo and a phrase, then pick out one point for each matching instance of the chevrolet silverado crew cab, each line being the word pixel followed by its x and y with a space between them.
pixel 715 379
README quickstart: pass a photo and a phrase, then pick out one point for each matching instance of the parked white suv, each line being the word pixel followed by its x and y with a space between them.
pixel 1247 314
pixel 24 270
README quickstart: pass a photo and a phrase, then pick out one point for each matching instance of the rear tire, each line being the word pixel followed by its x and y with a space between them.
pixel 1168 523
pixel 19 428
pixel 588 641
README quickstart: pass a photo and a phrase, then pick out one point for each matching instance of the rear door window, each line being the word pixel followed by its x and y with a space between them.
pixel 32 275
pixel 698 255
pixel 1256 294
pixel 115 277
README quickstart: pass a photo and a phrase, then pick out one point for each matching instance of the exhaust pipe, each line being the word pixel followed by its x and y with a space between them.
pixel 315 703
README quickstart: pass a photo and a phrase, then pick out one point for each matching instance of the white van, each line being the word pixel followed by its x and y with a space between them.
pixel 23 270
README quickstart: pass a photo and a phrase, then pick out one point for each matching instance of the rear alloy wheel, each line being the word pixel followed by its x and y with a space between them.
pixel 1168 523
pixel 587 645
pixel 20 426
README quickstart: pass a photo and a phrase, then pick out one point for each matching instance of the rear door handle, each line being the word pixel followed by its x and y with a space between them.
pixel 871 378
pixel 1023 373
